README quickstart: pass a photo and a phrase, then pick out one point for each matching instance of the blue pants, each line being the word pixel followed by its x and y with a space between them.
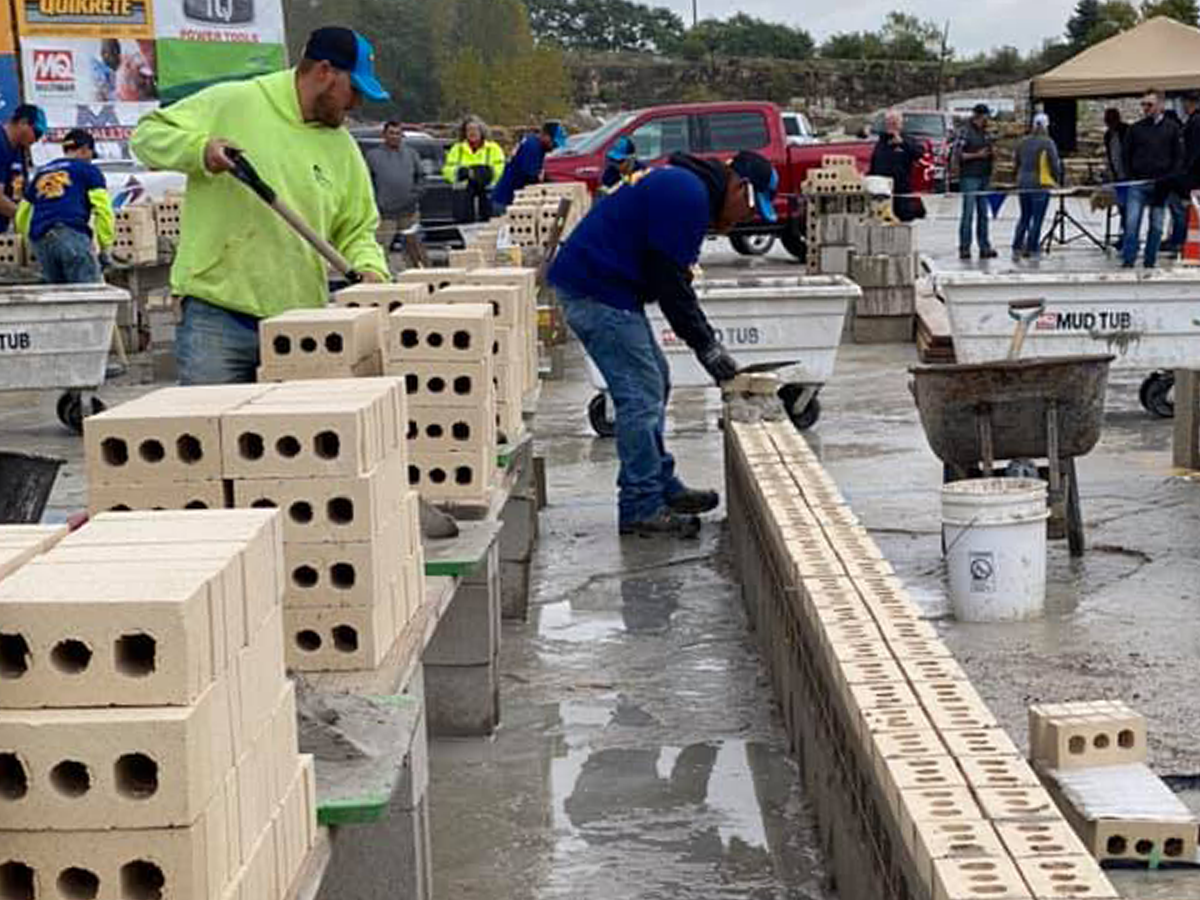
pixel 621 343
pixel 1140 196
pixel 66 257
pixel 1178 207
pixel 974 211
pixel 1028 236
pixel 215 346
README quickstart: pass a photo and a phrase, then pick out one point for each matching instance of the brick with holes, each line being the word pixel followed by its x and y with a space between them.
pixel 449 428
pixel 319 339
pixel 169 435
pixel 442 332
pixel 952 803
pixel 461 477
pixel 432 280
pixel 1076 876
pixel 446 384
pixel 957 839
pixel 978 878
pixel 329 509
pixel 1097 733
pixel 133 767
pixel 505 300
pixel 344 573
pixel 345 638
pixel 129 495
pixel 388 297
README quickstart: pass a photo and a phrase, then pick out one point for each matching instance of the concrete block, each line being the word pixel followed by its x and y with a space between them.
pixel 509 303
pixel 344 573
pixel 890 240
pixel 468 634
pixel 333 639
pixel 884 329
pixel 446 384
pixel 1046 838
pixel 837 229
pixel 963 840
pixel 116 768
pixel 329 509
pixel 1075 735
pixel 318 338
pixel 998 772
pixel 432 280
pixel 126 863
pixel 897 300
pixel 835 260
pixel 451 428
pixel 314 436
pixel 441 332
pixel 462 701
pixel 983 742
pixel 105 634
pixel 389 297
pixel 130 495
pixel 1066 876
pixel 460 477
pixel 1022 803
pixel 977 878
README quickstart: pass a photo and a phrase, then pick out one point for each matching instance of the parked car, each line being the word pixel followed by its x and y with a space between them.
pixel 798 129
pixel 718 131
pixel 934 129
pixel 437 196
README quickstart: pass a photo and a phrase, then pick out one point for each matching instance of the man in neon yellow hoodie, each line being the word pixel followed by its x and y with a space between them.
pixel 237 261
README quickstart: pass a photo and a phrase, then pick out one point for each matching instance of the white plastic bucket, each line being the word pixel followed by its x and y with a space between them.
pixel 995 533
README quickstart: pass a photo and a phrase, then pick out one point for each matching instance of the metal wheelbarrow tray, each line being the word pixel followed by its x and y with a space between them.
pixel 1050 408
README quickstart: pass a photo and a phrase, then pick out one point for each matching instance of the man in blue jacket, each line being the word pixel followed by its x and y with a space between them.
pixel 638 247
pixel 525 167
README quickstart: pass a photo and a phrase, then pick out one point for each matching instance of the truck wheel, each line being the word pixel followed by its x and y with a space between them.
pixel 598 416
pixel 752 244
pixel 795 243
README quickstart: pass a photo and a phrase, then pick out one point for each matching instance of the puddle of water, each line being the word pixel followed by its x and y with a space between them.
pixel 560 622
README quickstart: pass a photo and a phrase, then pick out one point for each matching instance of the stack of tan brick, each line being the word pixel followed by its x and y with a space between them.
pixel 21 543
pixel 446 355
pixel 849 649
pixel 168 218
pixel 531 216
pixel 136 238
pixel 333 342
pixel 148 740
pixel 331 454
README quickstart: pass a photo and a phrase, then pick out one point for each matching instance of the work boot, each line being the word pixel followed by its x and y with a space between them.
pixel 664 523
pixel 964 254
pixel 989 253
pixel 692 503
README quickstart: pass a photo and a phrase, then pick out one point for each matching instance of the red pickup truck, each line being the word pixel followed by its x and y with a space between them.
pixel 718 131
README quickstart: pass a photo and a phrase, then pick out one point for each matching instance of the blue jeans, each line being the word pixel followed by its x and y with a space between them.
pixel 66 257
pixel 621 343
pixel 215 346
pixel 1028 236
pixel 1140 197
pixel 974 210
pixel 1178 207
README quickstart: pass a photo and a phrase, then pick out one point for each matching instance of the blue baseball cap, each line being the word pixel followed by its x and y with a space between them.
pixel 34 115
pixel 622 149
pixel 346 49
pixel 757 170
pixel 558 134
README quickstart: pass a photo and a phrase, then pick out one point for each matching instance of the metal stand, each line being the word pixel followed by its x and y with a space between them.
pixel 1057 233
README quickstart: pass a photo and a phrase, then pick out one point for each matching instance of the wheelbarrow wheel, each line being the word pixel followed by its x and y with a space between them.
pixel 802 419
pixel 597 410
pixel 1157 394
pixel 73 407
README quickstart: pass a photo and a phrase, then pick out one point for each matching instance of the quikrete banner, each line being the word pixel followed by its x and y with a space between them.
pixel 85 18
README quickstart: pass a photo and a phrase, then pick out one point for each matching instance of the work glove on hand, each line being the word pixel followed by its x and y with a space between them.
pixel 463 173
pixel 718 363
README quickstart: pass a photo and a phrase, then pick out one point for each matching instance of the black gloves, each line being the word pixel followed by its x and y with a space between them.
pixel 718 363
pixel 463 173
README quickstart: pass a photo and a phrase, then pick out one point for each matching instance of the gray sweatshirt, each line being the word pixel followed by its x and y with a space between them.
pixel 396 176
pixel 1029 151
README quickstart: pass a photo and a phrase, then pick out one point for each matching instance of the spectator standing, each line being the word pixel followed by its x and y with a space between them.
pixel 67 204
pixel 1175 193
pixel 396 176
pixel 1115 133
pixel 1153 154
pixel 473 165
pixel 975 153
pixel 894 157
pixel 1039 168
pixel 525 167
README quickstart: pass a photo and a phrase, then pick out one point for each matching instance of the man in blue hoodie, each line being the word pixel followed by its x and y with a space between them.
pixel 638 247
pixel 525 167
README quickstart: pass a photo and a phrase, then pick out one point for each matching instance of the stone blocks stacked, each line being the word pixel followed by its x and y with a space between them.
pixel 534 209
pixel 870 691
pixel 886 271
pixel 136 239
pixel 334 342
pixel 148 741
pixel 168 218
pixel 446 355
pixel 331 454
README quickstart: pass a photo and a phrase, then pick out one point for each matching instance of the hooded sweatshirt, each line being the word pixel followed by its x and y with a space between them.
pixel 235 252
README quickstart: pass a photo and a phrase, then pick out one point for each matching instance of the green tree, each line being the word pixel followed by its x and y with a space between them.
pixel 605 25
pixel 854 45
pixel 909 38
pixel 1115 16
pixel 1082 23
pixel 1185 11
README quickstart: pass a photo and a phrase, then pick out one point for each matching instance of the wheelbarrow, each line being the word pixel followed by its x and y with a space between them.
pixel 1026 409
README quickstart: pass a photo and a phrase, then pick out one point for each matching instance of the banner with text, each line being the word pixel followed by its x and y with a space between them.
pixel 185 67
pixel 220 21
pixel 89 70
pixel 85 18
pixel 111 124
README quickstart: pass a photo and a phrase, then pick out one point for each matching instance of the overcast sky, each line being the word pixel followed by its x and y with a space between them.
pixel 974 26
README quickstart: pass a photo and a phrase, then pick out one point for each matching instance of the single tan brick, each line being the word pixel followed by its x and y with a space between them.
pixel 333 336
pixel 469 384
pixel 367 367
pixel 1130 840
pixel 450 429
pixel 998 772
pixel 1098 733
pixel 991 878
pixel 903 773
pixel 1066 876
pixel 891 718
pixel 1023 803
pixel 940 804
pixel 458 477
pixel 983 742
pixel 441 332
pixel 959 839
pixel 152 445
pixel 338 639
pixel 506 301
pixel 933 669
pixel 1044 838
pixel 130 495
pixel 954 706
pixel 389 297
pixel 139 767
pixel 344 573
pixel 432 280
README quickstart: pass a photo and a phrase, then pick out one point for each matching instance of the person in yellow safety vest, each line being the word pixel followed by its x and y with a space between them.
pixel 473 165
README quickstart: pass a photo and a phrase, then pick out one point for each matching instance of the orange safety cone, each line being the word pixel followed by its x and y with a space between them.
pixel 1189 255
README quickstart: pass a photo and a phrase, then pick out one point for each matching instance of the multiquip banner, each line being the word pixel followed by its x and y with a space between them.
pixel 89 70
